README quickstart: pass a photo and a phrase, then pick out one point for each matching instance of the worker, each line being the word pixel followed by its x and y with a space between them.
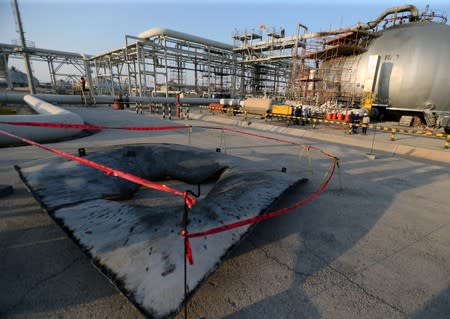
pixel 354 119
pixel 178 105
pixel 365 122
pixel 83 83
pixel 297 114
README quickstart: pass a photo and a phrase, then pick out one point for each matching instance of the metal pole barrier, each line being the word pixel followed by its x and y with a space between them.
pixel 222 142
pixel 338 165
pixel 311 167
pixel 189 135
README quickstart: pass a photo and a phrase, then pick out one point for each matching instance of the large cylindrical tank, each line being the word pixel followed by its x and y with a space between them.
pixel 413 70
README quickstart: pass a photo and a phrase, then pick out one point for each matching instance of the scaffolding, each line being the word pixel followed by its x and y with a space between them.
pixel 322 71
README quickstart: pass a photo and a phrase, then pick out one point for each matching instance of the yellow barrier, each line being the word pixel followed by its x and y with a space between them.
pixel 351 126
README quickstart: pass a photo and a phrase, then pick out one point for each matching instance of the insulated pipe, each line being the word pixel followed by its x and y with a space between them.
pixel 183 36
pixel 47 113
pixel 365 26
pixel 40 51
pixel 12 97
pixel 406 8
pixel 9 97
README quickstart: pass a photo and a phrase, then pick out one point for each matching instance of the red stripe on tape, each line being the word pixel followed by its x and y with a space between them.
pixel 190 200
pixel 96 127
pixel 268 215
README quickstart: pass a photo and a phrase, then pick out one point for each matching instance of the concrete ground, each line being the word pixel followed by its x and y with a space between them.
pixel 378 248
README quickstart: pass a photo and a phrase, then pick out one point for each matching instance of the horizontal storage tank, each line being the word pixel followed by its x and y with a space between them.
pixel 410 65
pixel 257 105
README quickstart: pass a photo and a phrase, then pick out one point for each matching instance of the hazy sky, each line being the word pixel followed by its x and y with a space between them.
pixel 96 26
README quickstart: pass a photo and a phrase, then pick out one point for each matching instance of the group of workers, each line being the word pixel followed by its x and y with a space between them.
pixel 358 119
pixel 301 112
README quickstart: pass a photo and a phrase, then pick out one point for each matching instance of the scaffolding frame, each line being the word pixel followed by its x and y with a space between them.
pixel 323 70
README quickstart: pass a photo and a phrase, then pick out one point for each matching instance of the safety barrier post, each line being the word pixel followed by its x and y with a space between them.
pixel 350 128
pixel 300 155
pixel 447 140
pixel 393 131
pixel 314 123
pixel 310 164
pixel 245 115
pixel 338 165
pixel 170 112
pixel 189 134
pixel 306 149
pixel 164 112
pixel 222 141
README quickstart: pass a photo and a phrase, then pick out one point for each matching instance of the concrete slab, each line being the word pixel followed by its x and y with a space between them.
pixel 345 255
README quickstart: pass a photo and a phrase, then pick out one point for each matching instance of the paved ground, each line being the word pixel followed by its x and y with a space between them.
pixel 378 248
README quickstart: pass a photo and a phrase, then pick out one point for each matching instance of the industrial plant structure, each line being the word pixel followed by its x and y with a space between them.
pixel 398 61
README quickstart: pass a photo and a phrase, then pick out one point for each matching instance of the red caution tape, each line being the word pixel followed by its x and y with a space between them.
pixel 268 215
pixel 190 200
pixel 95 127
pixel 187 247
pixel 57 125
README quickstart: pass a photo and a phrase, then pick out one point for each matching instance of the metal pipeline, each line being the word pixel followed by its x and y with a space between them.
pixel 47 113
pixel 406 8
pixel 183 36
pixel 364 27
pixel 9 97
pixel 39 51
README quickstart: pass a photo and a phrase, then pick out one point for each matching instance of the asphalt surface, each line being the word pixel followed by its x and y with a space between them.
pixel 374 245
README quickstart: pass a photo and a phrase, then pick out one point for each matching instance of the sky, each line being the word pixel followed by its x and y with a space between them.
pixel 97 26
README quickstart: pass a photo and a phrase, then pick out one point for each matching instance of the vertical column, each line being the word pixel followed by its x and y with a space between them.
pixel 166 67
pixel 87 70
pixel 24 48
pixel 111 78
pixel 51 70
pixel 209 73
pixel 138 57
pixel 127 61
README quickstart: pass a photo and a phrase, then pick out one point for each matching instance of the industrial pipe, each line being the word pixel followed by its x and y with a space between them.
pixel 40 51
pixel 282 42
pixel 183 36
pixel 9 97
pixel 406 8
pixel 47 113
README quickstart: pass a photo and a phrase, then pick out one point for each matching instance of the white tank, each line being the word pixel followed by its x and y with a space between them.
pixel 413 69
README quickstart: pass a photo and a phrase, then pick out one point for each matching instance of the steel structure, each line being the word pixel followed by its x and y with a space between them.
pixel 163 62
pixel 57 61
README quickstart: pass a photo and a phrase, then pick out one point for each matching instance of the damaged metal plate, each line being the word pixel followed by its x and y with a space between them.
pixel 133 233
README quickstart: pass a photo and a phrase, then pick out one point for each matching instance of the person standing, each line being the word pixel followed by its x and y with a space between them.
pixel 365 122
pixel 83 83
